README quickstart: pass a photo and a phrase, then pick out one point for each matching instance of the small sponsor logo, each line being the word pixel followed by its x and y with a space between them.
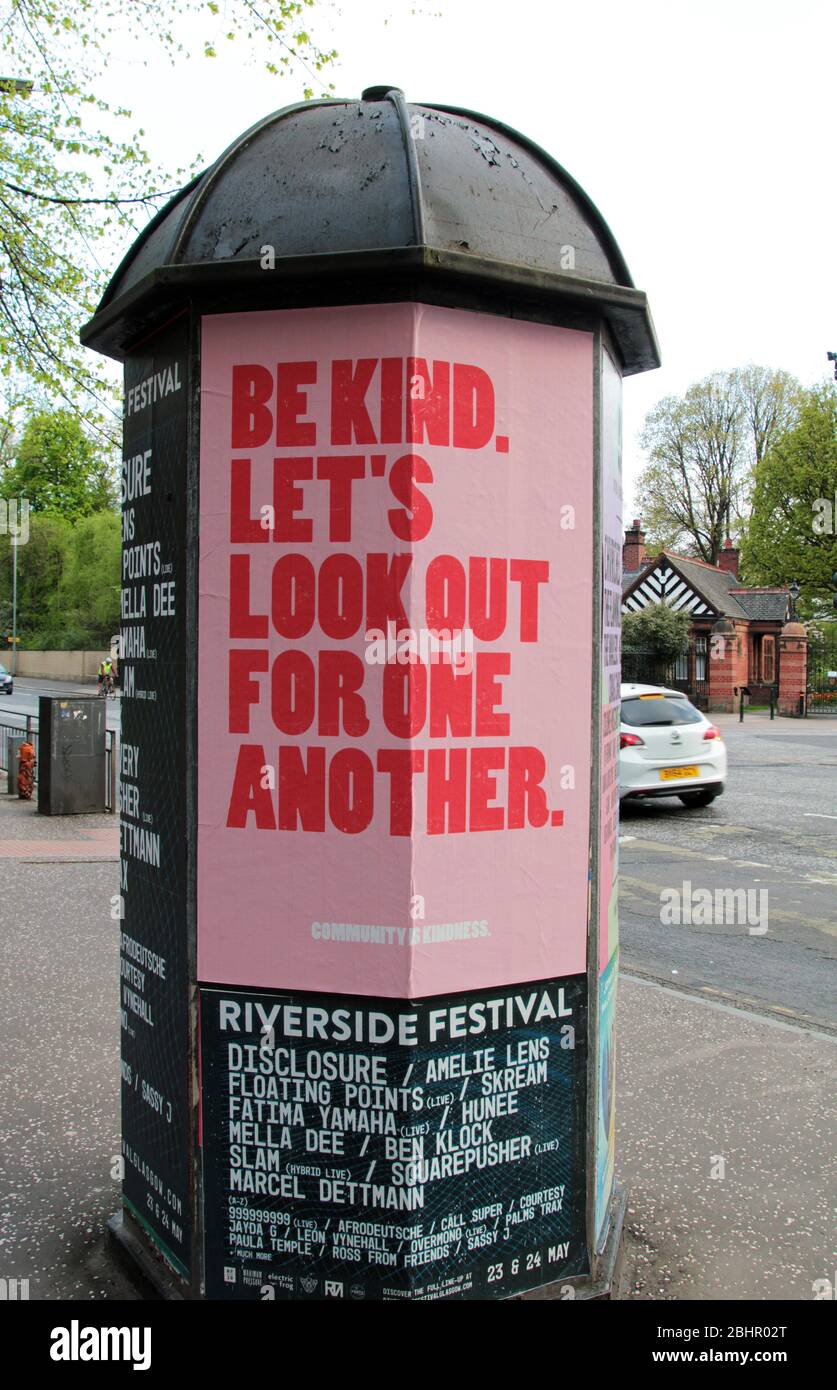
pixel 308 1283
pixel 333 1289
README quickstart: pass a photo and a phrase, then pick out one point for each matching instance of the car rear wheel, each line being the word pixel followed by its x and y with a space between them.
pixel 704 797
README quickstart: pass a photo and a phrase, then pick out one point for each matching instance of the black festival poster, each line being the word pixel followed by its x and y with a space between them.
pixel 374 1149
pixel 152 796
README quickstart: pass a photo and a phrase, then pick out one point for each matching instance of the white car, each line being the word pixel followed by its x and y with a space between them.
pixel 668 748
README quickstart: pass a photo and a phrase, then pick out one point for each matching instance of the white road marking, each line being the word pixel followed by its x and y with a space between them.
pixel 818 815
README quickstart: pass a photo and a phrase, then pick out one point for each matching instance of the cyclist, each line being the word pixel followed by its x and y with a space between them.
pixel 105 676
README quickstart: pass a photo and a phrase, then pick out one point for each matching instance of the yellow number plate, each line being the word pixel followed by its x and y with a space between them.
pixel 670 774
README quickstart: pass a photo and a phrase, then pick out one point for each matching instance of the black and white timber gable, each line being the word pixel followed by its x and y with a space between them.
pixel 664 583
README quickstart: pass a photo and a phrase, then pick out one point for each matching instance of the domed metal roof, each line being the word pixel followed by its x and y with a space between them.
pixel 377 190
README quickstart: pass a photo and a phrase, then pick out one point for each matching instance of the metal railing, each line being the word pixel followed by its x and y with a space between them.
pixel 647 668
pixel 27 724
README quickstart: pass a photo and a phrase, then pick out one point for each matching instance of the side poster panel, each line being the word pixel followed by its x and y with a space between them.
pixel 152 790
pixel 606 1096
pixel 366 1149
pixel 612 533
pixel 395 600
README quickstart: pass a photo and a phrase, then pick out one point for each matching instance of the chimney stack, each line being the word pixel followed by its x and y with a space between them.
pixel 633 551
pixel 728 558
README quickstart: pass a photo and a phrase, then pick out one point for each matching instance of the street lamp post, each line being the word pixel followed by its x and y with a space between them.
pixel 14 541
pixel 793 590
pixel 15 87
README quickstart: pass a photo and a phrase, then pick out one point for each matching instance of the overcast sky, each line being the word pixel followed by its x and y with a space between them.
pixel 704 132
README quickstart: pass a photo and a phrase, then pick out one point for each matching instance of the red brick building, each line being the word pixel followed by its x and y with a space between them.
pixel 740 636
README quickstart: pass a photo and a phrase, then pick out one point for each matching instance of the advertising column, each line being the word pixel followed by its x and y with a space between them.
pixel 394 724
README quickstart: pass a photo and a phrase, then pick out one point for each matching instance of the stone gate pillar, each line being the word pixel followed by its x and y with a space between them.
pixel 793 668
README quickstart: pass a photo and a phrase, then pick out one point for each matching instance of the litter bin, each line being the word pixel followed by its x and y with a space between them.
pixel 71 771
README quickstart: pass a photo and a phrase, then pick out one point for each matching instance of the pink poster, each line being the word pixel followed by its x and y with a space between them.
pixel 395 650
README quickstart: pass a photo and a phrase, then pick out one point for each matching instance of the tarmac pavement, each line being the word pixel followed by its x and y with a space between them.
pixel 726 1141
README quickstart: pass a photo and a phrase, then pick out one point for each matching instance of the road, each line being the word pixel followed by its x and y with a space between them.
pixel 773 831
pixel 24 699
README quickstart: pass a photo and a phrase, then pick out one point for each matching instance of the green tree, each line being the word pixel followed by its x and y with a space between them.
pixel 74 169
pixel 703 449
pixel 40 567
pixel 84 610
pixel 58 468
pixel 658 629
pixel 792 531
